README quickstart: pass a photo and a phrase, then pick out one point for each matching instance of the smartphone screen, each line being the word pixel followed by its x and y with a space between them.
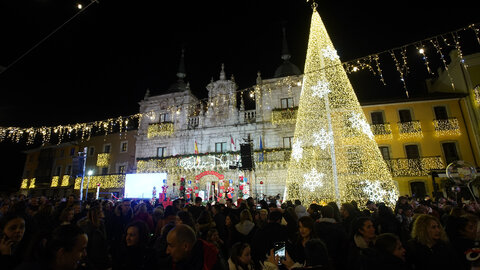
pixel 279 250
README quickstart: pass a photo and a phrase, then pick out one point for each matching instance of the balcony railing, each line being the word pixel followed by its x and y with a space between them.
pixel 160 129
pixel 284 116
pixel 382 131
pixel 105 181
pixel 103 159
pixel 412 129
pixel 193 122
pixel 249 116
pixel 273 155
pixel 414 167
pixel 446 127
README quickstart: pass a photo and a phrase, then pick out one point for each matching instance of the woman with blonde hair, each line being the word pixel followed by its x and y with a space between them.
pixel 246 227
pixel 429 247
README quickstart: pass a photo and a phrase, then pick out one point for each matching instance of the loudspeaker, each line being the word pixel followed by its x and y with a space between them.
pixel 246 156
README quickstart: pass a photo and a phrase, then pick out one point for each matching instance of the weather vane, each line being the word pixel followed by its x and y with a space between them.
pixel 314 5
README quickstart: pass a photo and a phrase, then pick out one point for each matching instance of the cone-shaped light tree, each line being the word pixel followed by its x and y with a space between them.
pixel 334 154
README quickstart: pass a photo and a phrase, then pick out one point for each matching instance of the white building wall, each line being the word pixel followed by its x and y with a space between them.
pixel 219 120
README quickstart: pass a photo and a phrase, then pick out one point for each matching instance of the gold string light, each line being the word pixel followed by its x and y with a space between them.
pixel 438 47
pixel 446 127
pixel 400 70
pixel 370 62
pixel 103 159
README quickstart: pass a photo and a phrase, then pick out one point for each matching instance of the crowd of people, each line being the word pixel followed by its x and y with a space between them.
pixel 41 233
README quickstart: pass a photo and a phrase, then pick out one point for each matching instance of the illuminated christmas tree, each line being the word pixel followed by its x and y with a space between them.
pixel 334 154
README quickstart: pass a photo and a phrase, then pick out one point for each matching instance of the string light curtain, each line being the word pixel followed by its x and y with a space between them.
pixel 334 154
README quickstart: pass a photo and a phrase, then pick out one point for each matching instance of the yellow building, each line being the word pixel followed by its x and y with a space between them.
pixel 418 136
pixel 52 170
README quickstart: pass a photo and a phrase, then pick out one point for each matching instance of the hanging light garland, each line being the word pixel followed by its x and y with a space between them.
pixel 257 92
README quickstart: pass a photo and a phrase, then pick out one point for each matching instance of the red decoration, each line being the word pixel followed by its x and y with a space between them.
pixel 240 187
pixel 261 182
pixel 218 175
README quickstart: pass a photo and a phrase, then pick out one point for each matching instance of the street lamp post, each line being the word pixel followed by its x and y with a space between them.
pixel 83 158
pixel 90 172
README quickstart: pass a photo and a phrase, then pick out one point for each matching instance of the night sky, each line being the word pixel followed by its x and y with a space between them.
pixel 100 64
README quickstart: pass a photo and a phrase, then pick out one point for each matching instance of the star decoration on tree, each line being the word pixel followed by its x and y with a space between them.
pixel 330 53
pixel 358 122
pixel 313 179
pixel 321 89
pixel 297 150
pixel 323 138
pixel 374 191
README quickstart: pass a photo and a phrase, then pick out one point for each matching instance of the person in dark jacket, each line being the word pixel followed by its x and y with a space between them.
pixel 360 251
pixel 349 214
pixel 306 231
pixel 429 247
pixel 264 238
pixel 12 230
pixel 390 253
pixel 65 249
pixel 134 252
pixel 386 222
pixel 462 232
pixel 333 235
pixel 188 252
pixel 98 246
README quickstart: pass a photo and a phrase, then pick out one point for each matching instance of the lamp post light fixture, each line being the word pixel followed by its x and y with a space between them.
pixel 89 173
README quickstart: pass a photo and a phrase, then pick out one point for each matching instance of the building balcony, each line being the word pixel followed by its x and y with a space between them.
pixel 105 181
pixel 103 160
pixel 408 130
pixel 193 122
pixel 284 116
pixel 27 183
pixel 64 183
pixel 249 116
pixel 160 129
pixel 404 167
pixel 382 131
pixel 446 127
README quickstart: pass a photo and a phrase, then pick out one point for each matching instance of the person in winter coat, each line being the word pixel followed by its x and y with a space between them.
pixel 98 246
pixel 306 232
pixel 188 252
pixel 390 253
pixel 462 232
pixel 316 258
pixel 265 238
pixel 333 235
pixel 429 247
pixel 245 227
pixel 12 230
pixel 240 258
pixel 360 251
pixel 64 249
pixel 134 252
pixel 349 214
pixel 142 214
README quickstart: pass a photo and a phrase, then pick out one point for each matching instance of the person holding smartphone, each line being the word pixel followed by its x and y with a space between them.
pixel 316 257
